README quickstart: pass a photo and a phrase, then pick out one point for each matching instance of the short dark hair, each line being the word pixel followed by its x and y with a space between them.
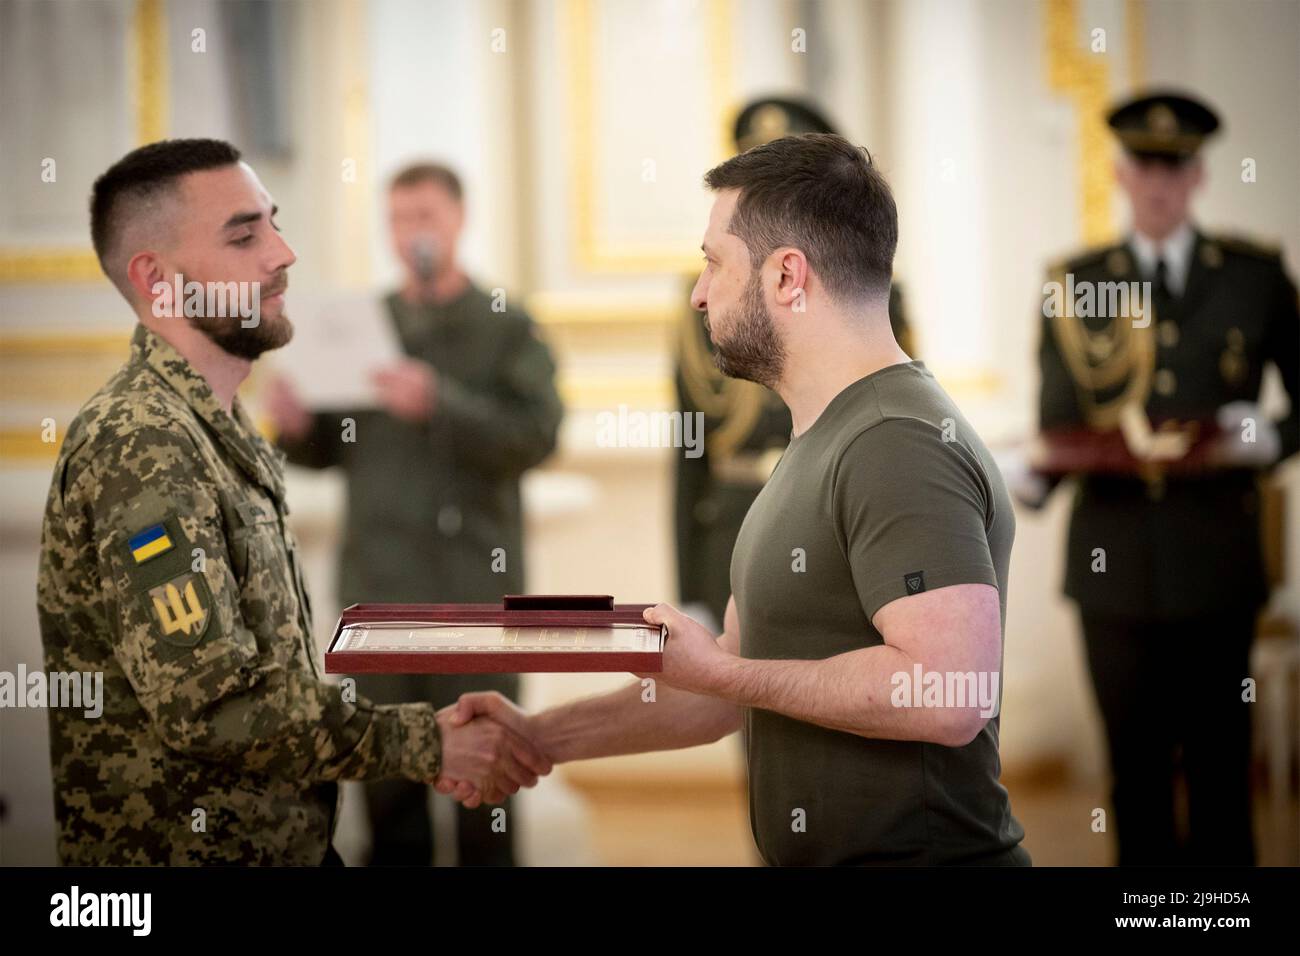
pixel 823 195
pixel 427 172
pixel 141 175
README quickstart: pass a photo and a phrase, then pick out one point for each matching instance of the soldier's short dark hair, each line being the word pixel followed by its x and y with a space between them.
pixel 427 172
pixel 822 195
pixel 141 175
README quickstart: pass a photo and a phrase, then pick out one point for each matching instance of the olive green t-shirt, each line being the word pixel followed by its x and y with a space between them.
pixel 889 492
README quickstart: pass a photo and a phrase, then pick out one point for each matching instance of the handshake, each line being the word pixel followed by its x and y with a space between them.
pixel 489 750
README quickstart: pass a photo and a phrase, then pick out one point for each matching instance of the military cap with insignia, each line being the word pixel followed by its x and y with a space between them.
pixel 1165 125
pixel 772 117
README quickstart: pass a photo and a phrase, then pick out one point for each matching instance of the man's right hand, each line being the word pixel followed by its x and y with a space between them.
pixel 490 709
pixel 291 418
pixel 484 759
pixel 1025 484
pixel 1247 437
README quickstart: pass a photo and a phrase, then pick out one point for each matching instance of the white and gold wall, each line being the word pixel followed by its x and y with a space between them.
pixel 582 129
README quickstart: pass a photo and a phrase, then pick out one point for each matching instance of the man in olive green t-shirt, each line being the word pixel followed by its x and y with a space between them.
pixel 861 653
pixel 868 505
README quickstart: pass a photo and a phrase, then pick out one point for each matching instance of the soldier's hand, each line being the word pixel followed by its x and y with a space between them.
pixel 1247 439
pixel 483 761
pixel 291 418
pixel 408 389
pixel 500 708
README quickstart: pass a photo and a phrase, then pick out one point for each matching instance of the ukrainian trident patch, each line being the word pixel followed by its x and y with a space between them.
pixel 182 608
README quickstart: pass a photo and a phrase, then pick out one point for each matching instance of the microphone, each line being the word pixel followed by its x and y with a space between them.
pixel 423 254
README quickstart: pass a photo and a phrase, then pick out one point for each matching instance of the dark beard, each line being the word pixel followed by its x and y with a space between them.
pixel 228 333
pixel 753 350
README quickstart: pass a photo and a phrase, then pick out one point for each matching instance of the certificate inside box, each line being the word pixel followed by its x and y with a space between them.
pixel 524 634
pixel 390 638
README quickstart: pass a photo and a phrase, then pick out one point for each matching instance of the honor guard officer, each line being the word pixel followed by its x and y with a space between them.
pixel 1167 566
pixel 746 425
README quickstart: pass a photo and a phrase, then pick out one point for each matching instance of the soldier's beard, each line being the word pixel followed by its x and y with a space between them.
pixel 229 334
pixel 752 349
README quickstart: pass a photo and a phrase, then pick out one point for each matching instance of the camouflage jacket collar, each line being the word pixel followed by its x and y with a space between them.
pixel 234 429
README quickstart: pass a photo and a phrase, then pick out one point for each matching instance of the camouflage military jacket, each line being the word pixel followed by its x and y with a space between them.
pixel 166 565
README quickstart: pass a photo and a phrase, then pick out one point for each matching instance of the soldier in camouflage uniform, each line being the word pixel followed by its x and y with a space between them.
pixel 1169 622
pixel 167 566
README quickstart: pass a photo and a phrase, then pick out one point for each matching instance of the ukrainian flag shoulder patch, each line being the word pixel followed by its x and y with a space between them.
pixel 149 543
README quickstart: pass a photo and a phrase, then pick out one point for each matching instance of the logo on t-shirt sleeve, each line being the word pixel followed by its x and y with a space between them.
pixel 914 582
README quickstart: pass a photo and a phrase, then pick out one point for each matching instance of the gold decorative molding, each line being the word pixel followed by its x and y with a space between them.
pixel 50 265
pixel 64 344
pixel 1135 40
pixel 150 71
pixel 609 391
pixel 559 309
pixel 358 197
pixel 725 102
pixel 54 369
pixel 1083 76
pixel 34 366
pixel 590 252
pixel 150 97
pixel 24 445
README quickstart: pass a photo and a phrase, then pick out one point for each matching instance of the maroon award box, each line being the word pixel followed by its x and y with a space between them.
pixel 1066 451
pixel 525 633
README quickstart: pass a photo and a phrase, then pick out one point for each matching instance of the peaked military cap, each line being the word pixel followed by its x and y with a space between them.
pixel 1164 125
pixel 764 120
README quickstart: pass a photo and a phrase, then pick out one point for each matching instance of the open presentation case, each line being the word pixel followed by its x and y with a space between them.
pixel 533 633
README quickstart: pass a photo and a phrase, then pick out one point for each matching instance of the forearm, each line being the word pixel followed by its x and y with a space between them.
pixel 852 692
pixel 622 722
pixel 294 725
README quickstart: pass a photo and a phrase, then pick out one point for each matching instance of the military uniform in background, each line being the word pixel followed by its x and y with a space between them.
pixel 1168 625
pixel 434 515
pixel 746 426
pixel 167 567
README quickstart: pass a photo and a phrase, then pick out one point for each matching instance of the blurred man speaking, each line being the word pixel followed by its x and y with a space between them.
pixel 166 565
pixel 434 511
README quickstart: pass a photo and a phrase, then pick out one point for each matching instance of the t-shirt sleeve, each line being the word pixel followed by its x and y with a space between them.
pixel 912 512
